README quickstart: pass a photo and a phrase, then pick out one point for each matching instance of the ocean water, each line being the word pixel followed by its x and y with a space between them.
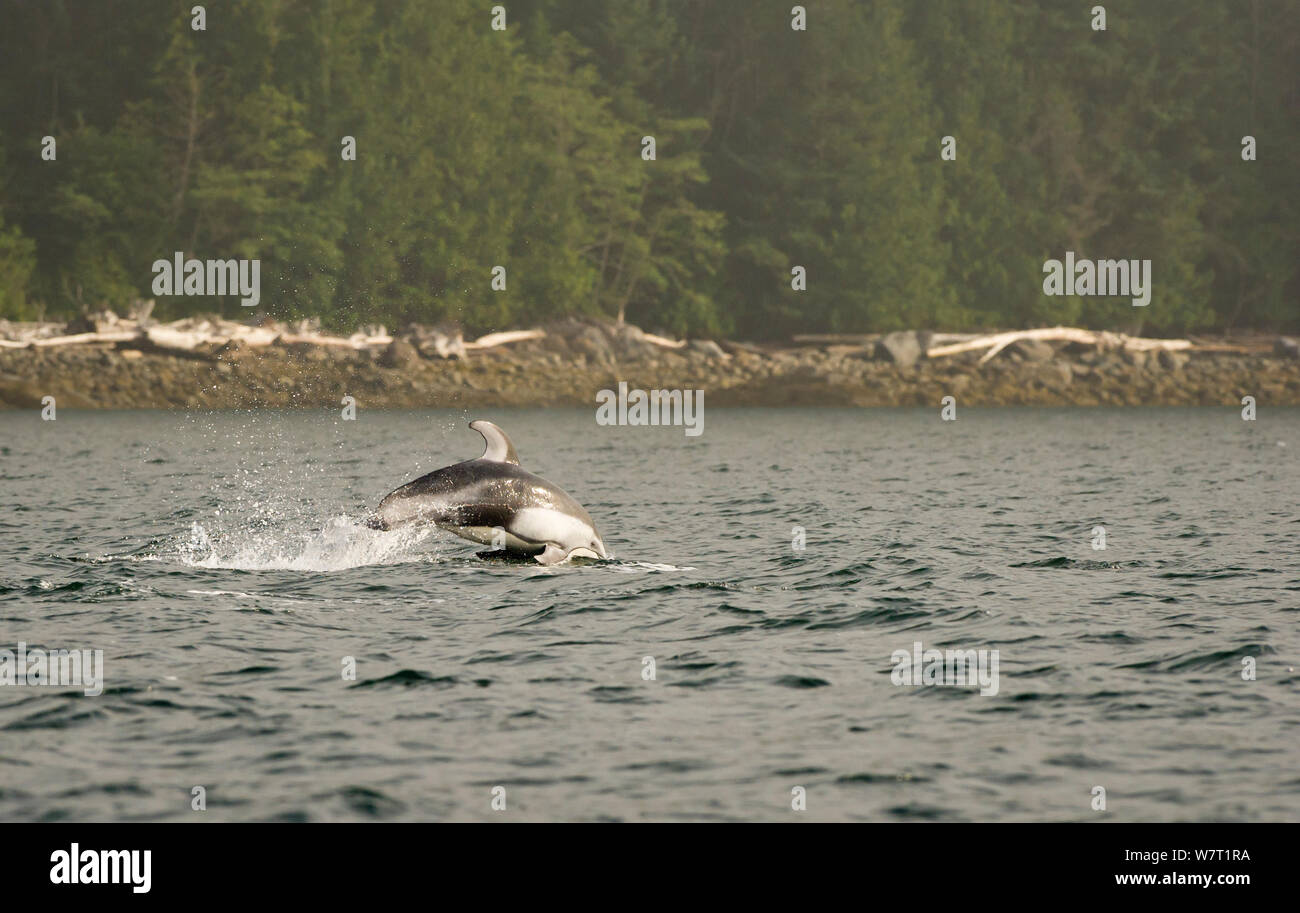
pixel 218 561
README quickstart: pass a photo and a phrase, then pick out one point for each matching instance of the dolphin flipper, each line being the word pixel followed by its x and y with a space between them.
pixel 558 554
pixel 499 449
pixel 552 554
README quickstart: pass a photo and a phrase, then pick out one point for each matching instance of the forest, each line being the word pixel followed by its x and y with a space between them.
pixel 921 160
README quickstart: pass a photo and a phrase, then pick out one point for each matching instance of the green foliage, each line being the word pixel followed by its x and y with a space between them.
pixel 17 260
pixel 775 148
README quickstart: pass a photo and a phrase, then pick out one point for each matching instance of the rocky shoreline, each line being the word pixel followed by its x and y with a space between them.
pixel 567 364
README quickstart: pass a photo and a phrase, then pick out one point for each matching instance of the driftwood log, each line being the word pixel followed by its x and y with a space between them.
pixel 492 340
pixel 189 334
pixel 500 339
pixel 996 342
pixel 185 337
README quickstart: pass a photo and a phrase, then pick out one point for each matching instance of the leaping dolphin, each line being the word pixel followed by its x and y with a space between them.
pixel 491 499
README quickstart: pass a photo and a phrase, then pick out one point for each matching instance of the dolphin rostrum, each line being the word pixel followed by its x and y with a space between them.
pixel 492 500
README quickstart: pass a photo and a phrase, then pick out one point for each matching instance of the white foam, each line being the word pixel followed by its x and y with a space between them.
pixel 342 544
pixel 628 567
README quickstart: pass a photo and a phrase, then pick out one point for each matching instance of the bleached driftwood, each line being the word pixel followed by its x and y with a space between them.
pixel 858 340
pixel 491 340
pixel 1142 344
pixel 167 338
pixel 188 334
pixel 996 342
pixel 500 339
pixel 834 339
pixel 362 340
pixel 351 342
pixel 80 338
pixel 251 336
pixel 1230 349
pixel 664 341
pixel 187 340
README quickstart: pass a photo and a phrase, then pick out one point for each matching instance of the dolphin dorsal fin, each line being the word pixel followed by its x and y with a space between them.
pixel 499 449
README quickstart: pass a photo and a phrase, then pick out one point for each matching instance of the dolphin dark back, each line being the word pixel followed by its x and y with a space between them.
pixel 483 489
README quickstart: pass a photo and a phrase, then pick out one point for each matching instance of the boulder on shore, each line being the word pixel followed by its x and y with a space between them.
pixel 1171 361
pixel 708 347
pixel 903 348
pixel 630 342
pixel 1032 350
pixel 593 344
pixel 399 354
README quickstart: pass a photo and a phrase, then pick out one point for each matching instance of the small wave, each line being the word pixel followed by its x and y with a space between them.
pixel 239 594
pixel 410 678
pixel 800 681
pixel 1077 564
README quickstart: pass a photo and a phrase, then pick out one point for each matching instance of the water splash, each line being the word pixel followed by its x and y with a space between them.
pixel 341 544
